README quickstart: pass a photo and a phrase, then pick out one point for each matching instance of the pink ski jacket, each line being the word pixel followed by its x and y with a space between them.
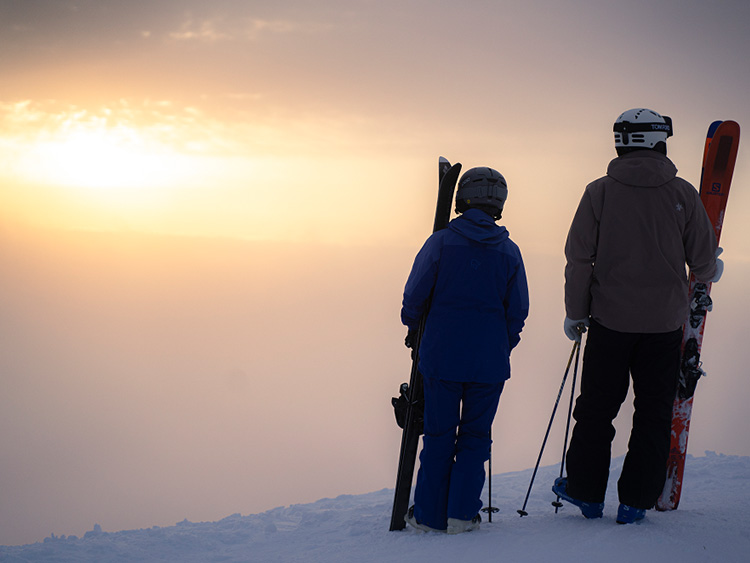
pixel 633 233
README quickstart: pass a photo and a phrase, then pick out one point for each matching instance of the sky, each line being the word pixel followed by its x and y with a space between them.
pixel 208 211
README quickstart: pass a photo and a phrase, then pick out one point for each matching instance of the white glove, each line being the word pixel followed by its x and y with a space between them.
pixel 571 328
pixel 719 266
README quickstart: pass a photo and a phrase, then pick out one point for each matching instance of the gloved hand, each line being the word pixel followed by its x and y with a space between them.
pixel 411 338
pixel 719 266
pixel 571 328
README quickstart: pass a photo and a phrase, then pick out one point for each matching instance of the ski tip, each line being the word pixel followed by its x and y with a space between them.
pixel 733 124
pixel 443 160
pixel 727 128
pixel 713 127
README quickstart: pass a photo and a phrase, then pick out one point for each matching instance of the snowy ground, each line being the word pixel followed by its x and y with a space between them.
pixel 712 524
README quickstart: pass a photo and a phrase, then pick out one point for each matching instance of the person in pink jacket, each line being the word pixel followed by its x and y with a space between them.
pixel 634 231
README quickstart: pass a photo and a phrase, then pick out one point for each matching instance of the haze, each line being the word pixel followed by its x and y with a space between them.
pixel 208 212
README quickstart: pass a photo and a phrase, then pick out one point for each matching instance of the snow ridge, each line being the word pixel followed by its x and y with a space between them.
pixel 710 525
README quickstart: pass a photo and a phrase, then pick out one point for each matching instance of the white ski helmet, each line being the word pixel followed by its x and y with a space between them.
pixel 482 187
pixel 641 128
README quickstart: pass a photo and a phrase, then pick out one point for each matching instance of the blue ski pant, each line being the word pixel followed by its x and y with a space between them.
pixel 456 444
pixel 610 360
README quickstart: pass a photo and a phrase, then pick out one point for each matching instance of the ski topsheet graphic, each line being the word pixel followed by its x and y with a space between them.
pixel 409 405
pixel 719 157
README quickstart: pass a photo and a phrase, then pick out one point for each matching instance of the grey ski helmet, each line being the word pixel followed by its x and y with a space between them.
pixel 482 187
pixel 641 128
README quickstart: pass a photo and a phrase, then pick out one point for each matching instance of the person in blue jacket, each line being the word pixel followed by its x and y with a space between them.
pixel 473 276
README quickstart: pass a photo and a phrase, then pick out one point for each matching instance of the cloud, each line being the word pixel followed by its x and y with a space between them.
pixel 206 31
pixel 167 126
pixel 162 122
pixel 220 29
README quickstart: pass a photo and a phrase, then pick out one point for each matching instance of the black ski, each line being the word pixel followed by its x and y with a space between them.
pixel 409 405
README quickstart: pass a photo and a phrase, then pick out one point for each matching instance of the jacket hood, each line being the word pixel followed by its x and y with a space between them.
pixel 644 168
pixel 476 225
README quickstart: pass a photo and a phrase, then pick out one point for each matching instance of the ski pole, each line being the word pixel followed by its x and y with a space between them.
pixel 576 345
pixel 489 509
pixel 557 504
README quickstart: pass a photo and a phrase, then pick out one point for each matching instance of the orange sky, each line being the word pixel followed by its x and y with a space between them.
pixel 189 190
pixel 265 121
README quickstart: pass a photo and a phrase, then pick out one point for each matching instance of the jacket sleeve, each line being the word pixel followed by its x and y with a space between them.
pixel 580 254
pixel 420 282
pixel 517 304
pixel 699 239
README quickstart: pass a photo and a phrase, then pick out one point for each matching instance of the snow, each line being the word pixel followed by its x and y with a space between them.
pixel 711 524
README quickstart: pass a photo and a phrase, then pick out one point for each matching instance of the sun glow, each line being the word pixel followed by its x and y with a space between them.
pixel 147 166
pixel 157 167
pixel 99 157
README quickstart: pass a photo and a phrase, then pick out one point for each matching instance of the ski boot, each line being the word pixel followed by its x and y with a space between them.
pixel 629 515
pixel 412 521
pixel 456 526
pixel 588 509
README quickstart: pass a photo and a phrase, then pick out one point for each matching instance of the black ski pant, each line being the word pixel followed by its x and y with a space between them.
pixel 610 359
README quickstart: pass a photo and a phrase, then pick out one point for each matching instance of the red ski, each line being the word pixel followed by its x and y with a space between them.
pixel 719 157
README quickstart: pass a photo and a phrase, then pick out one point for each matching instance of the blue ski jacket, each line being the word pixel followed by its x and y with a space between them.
pixel 476 278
